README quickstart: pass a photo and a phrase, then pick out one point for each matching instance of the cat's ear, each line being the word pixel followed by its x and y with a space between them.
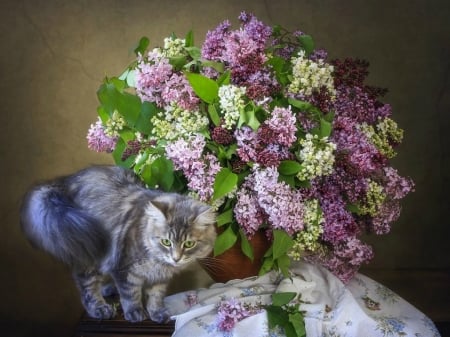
pixel 206 216
pixel 155 211
pixel 164 203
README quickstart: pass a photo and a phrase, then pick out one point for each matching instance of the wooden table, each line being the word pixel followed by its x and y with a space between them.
pixel 88 327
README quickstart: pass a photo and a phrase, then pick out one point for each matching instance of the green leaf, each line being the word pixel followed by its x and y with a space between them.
pixel 218 66
pixel 329 116
pixel 178 61
pixel 225 78
pixel 224 241
pixel 143 125
pixel 189 39
pixel 307 43
pixel 279 66
pixel 302 183
pixel 276 316
pixel 267 266
pixel 131 78
pixel 142 46
pixel 117 154
pixel 212 111
pixel 289 330
pixel 162 171
pixel 282 242
pixel 128 105
pixel 354 208
pixel 225 217
pixel 280 299
pixel 204 87
pixel 290 180
pixel 194 52
pixel 248 117
pixel 289 167
pixel 245 245
pixel 252 121
pixel 325 128
pixel 304 106
pixel 224 183
pixel 103 114
pixel 298 322
pixel 283 263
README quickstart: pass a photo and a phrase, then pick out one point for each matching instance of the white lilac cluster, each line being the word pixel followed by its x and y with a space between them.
pixel 385 133
pixel 317 157
pixel 309 76
pixel 375 197
pixel 231 100
pixel 175 122
pixel 308 239
pixel 114 124
pixel 173 46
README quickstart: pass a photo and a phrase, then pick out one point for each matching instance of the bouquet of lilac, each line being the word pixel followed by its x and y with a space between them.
pixel 260 125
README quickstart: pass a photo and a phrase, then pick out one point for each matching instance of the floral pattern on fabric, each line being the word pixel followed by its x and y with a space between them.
pixel 362 307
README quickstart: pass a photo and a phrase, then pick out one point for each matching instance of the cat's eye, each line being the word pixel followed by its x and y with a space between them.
pixel 166 242
pixel 189 244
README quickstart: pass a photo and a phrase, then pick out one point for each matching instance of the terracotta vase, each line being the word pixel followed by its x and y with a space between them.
pixel 233 264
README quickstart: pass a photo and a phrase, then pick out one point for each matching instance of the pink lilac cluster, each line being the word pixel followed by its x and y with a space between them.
pixel 98 140
pixel 230 312
pixel 243 52
pixel 270 144
pixel 156 81
pixel 199 168
pixel 263 199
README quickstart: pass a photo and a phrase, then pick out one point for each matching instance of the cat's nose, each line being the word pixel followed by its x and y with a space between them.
pixel 176 256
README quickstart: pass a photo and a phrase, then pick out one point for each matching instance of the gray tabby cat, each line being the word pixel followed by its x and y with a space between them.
pixel 109 228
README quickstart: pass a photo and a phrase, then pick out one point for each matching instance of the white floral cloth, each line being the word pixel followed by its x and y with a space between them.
pixel 363 307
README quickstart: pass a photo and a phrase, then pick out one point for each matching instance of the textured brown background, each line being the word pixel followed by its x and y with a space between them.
pixel 55 53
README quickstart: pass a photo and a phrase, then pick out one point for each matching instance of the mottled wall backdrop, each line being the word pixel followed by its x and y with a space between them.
pixel 55 54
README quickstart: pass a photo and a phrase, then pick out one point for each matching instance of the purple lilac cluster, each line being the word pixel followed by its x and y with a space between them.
pixel 200 169
pixel 98 140
pixel 243 52
pixel 156 81
pixel 263 199
pixel 270 144
pixel 231 312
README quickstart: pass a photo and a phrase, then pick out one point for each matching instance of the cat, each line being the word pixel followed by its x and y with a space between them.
pixel 108 227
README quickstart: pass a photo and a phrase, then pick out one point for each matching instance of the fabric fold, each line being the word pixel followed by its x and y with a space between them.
pixel 363 307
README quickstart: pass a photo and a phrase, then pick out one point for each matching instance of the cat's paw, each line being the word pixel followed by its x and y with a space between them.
pixel 102 311
pixel 159 315
pixel 135 314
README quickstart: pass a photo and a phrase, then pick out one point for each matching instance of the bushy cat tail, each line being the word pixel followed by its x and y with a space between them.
pixel 53 223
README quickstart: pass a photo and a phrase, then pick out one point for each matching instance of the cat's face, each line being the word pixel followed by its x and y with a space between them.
pixel 180 230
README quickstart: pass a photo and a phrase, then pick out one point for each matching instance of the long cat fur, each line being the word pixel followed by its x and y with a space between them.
pixel 109 228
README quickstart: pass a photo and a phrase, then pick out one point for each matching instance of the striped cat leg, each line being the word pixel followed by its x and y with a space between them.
pixel 90 286
pixel 155 303
pixel 129 287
